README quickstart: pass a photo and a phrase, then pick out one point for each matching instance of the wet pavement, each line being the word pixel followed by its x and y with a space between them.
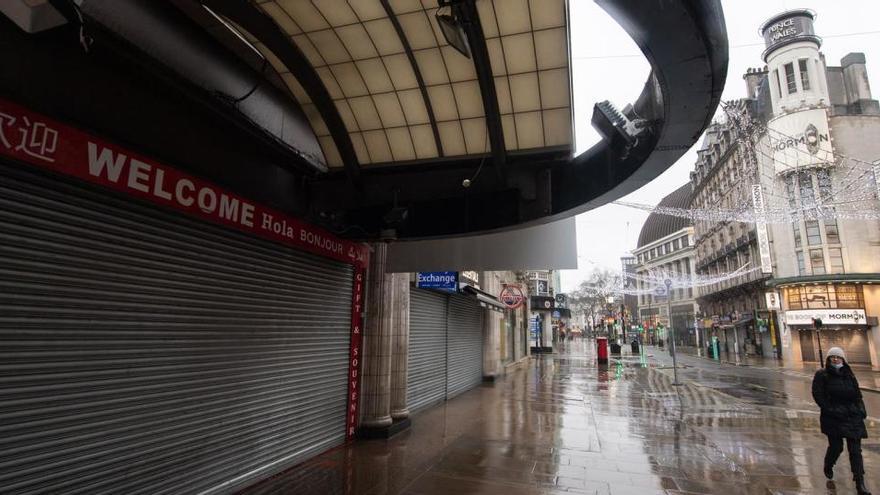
pixel 869 379
pixel 560 424
pixel 780 387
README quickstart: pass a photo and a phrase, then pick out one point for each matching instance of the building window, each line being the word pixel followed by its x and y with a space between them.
pixel 790 191
pixel 824 180
pixel 814 238
pixel 832 234
pixel 802 270
pixel 789 79
pixel 778 83
pixel 797 235
pixel 836 258
pixel 805 77
pixel 849 296
pixel 817 261
pixel 794 298
pixel 685 241
pixel 808 196
pixel 825 297
pixel 675 245
pixel 679 272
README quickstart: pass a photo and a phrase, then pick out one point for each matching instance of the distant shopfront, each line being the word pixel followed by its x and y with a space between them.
pixel 820 316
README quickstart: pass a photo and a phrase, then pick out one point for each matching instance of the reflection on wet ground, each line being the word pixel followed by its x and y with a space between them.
pixel 868 377
pixel 560 424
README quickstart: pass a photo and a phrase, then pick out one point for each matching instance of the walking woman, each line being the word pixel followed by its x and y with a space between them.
pixel 836 391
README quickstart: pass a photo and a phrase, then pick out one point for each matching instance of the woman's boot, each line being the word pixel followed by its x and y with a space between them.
pixel 828 465
pixel 861 489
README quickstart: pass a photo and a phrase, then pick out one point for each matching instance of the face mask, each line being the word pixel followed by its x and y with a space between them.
pixel 837 365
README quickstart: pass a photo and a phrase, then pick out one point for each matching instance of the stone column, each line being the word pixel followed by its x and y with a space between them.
pixel 400 347
pixel 376 385
pixel 548 329
pixel 490 345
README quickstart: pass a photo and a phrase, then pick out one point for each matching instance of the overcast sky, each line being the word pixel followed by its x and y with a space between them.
pixel 607 65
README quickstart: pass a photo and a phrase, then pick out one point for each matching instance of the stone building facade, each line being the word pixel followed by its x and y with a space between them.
pixel 733 308
pixel 813 155
pixel 666 250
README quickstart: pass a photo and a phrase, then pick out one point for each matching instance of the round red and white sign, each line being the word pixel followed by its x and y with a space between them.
pixel 512 296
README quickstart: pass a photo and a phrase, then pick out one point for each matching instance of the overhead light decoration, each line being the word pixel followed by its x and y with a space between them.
pixel 449 19
pixel 856 192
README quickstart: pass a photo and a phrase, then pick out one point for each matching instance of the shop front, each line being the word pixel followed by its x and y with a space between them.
pixel 683 322
pixel 447 323
pixel 542 312
pixel 821 316
pixel 649 318
pixel 163 333
pixel 846 329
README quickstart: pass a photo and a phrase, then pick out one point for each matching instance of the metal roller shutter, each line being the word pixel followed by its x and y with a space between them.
pixel 731 340
pixel 426 379
pixel 464 370
pixel 146 352
pixel 853 341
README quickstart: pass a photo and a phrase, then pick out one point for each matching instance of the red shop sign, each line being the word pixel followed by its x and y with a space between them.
pixel 29 137
pixel 512 296
pixel 46 143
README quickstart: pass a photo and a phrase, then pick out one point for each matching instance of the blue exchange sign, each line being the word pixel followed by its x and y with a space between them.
pixel 445 281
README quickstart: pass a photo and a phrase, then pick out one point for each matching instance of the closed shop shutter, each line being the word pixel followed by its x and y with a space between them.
pixel 426 380
pixel 464 370
pixel 147 352
pixel 854 343
pixel 807 340
pixel 732 339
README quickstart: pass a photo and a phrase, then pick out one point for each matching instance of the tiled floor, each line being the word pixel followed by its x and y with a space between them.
pixel 560 424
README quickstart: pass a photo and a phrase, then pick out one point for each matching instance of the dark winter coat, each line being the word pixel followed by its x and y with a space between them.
pixel 838 395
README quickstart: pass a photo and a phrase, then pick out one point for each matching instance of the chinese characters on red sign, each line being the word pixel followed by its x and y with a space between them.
pixel 34 139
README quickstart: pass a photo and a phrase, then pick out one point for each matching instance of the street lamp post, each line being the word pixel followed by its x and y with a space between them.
pixel 817 324
pixel 668 283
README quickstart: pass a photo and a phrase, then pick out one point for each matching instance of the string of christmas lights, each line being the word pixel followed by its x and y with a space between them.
pixel 789 197
pixel 657 279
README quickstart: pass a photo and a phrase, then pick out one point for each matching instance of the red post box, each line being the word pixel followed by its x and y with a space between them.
pixel 602 350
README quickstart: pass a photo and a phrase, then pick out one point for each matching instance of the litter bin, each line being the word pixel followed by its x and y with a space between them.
pixel 602 350
pixel 615 348
pixel 635 346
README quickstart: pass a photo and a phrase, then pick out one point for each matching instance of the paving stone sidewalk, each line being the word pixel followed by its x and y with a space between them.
pixel 562 424
pixel 869 379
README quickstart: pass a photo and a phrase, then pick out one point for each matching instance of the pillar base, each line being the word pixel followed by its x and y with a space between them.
pixel 384 432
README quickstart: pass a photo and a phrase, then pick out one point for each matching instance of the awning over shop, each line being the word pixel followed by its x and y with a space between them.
pixel 744 321
pixel 486 300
